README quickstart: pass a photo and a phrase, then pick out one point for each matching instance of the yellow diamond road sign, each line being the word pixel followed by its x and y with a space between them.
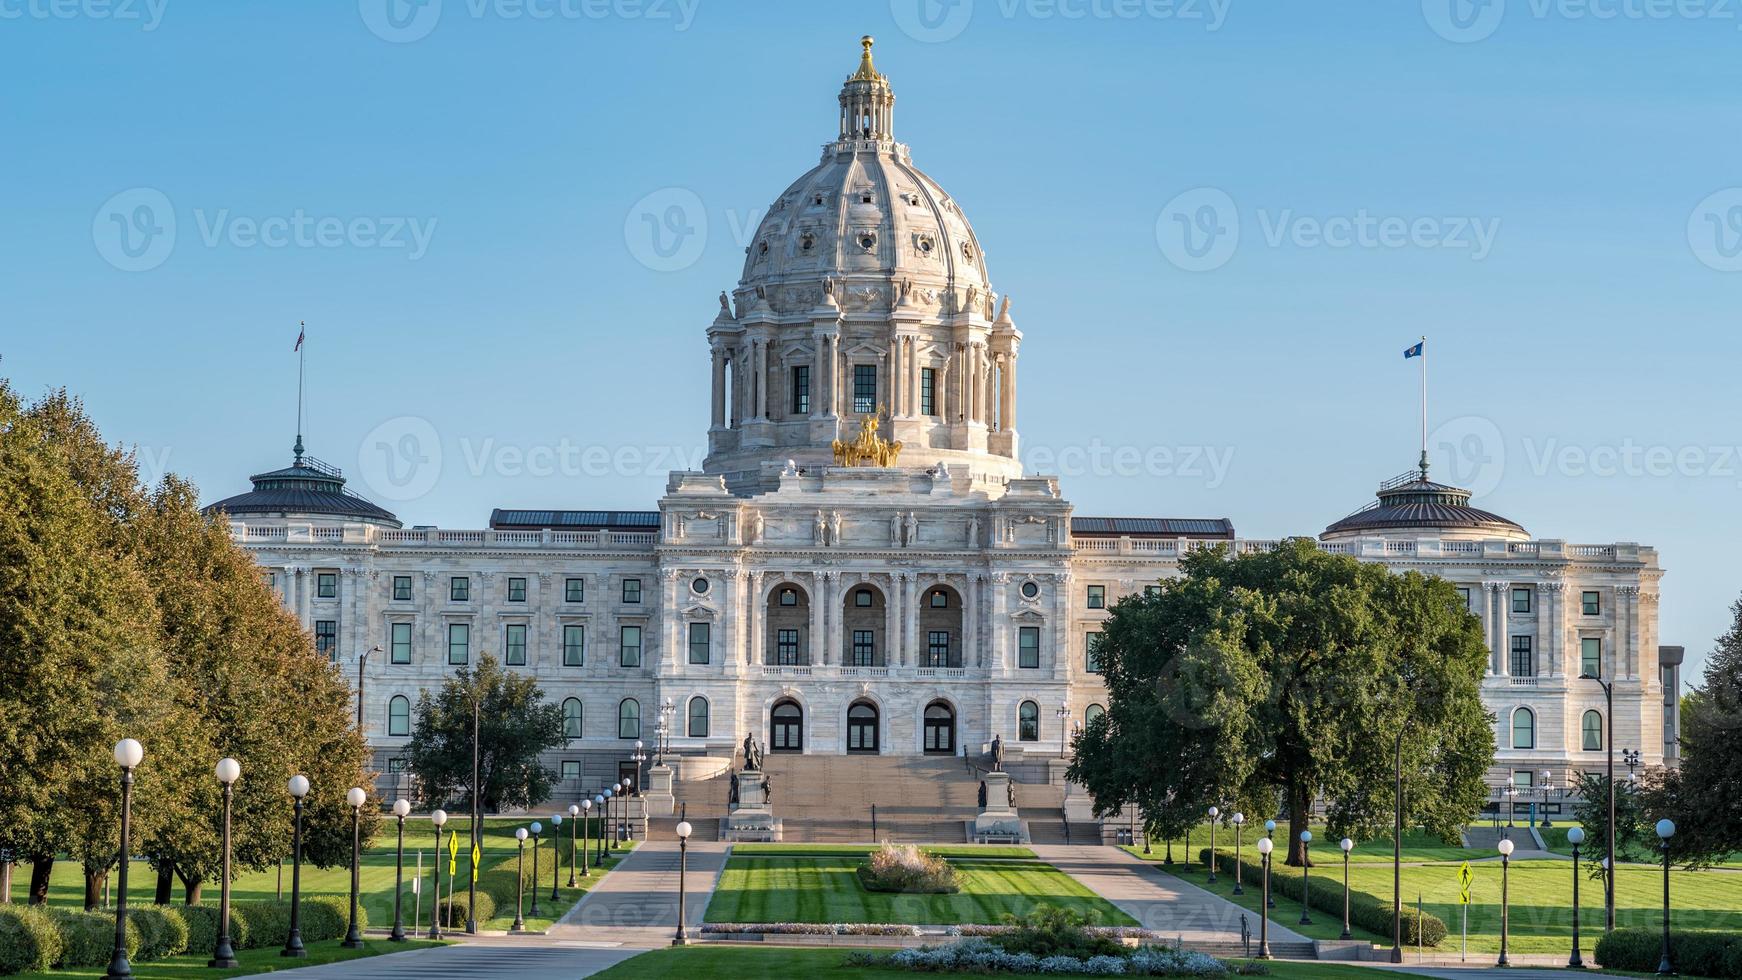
pixel 476 856
pixel 1465 878
pixel 453 853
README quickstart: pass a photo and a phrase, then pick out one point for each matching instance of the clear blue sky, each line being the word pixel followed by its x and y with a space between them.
pixel 1549 196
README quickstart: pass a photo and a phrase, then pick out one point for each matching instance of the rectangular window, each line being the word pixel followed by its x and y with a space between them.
pixel 1464 591
pixel 1591 657
pixel 801 390
pixel 1097 597
pixel 395 766
pixel 575 590
pixel 327 638
pixel 326 585
pixel 459 589
pixel 632 590
pixel 574 646
pixel 1092 653
pixel 516 590
pixel 514 644
pixel 402 588
pixel 1593 604
pixel 571 768
pixel 938 648
pixel 700 642
pixel 399 643
pixel 629 646
pixel 1028 646
pixel 928 387
pixel 864 388
pixel 864 648
pixel 1151 591
pixel 1523 660
pixel 862 598
pixel 786 648
pixel 459 643
pixel 1521 600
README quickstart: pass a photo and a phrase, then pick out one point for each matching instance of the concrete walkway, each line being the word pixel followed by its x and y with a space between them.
pixel 636 904
pixel 483 959
pixel 1158 901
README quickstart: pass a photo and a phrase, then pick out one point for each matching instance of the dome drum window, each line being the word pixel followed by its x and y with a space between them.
pixel 699 586
pixel 867 240
pixel 925 244
pixel 1030 590
pixel 806 241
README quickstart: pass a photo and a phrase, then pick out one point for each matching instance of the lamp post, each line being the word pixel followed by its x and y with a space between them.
pixel 1306 864
pixel 623 814
pixel 1347 845
pixel 1665 830
pixel 519 880
pixel 1239 822
pixel 223 956
pixel 536 829
pixel 477 828
pixel 356 797
pixel 1575 837
pixel 293 947
pixel 556 857
pixel 683 860
pixel 1214 813
pixel 128 754
pixel 1397 853
pixel 574 848
pixel 1264 849
pixel 667 709
pixel 1507 793
pixel 1547 787
pixel 1505 900
pixel 401 808
pixel 599 804
pixel 638 757
pixel 617 793
pixel 1609 747
pixel 362 658
pixel 439 819
pixel 1269 828
pixel 586 836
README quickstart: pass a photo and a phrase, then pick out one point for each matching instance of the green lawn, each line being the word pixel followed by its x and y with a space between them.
pixel 254 962
pixel 824 888
pixel 860 850
pixel 1556 839
pixel 739 963
pixel 1417 846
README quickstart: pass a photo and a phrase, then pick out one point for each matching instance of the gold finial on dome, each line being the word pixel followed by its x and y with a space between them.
pixel 866 72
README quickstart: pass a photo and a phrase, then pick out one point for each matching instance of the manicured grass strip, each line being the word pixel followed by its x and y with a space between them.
pixel 550 911
pixel 826 889
pixel 254 962
pixel 1417 846
pixel 860 850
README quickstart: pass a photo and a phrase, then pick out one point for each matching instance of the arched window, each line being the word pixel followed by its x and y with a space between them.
pixel 629 719
pixel 1523 729
pixel 1092 712
pixel 1028 722
pixel 399 715
pixel 698 717
pixel 1593 731
pixel 572 718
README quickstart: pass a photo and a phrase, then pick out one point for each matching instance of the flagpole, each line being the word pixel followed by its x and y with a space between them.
pixel 1424 407
pixel 301 359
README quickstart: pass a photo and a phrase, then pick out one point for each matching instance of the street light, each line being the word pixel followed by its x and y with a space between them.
pixel 356 797
pixel 128 754
pixel 519 880
pixel 439 819
pixel 298 787
pixel 1239 821
pixel 599 804
pixel 623 815
pixel 1609 746
pixel 1347 845
pixel 1505 900
pixel 1665 830
pixel 586 836
pixel 556 857
pixel 223 956
pixel 1269 828
pixel 683 856
pixel 536 829
pixel 574 812
pixel 1306 845
pixel 1264 849
pixel 401 808
pixel 1214 813
pixel 638 757
pixel 617 793
pixel 1547 785
pixel 1575 837
pixel 362 658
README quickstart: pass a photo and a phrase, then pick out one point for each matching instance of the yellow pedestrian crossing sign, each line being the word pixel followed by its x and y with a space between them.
pixel 453 853
pixel 477 855
pixel 1465 878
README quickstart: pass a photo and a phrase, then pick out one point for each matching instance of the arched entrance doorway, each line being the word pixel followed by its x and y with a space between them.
pixel 940 729
pixel 788 643
pixel 786 727
pixel 940 628
pixel 862 727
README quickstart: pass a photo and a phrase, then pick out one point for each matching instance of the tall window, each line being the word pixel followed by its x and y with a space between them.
pixel 786 647
pixel 399 643
pixel 1523 729
pixel 1521 600
pixel 574 645
pixel 700 636
pixel 326 585
pixel 399 715
pixel 1028 722
pixel 1592 603
pixel 1593 731
pixel 402 588
pixel 1523 660
pixel 629 646
pixel 459 643
pixel 629 719
pixel 575 590
pixel 516 590
pixel 864 648
pixel 1097 597
pixel 938 648
pixel 1093 712
pixel 1591 657
pixel 864 388
pixel 1092 653
pixel 572 718
pixel 571 769
pixel 631 590
pixel 698 727
pixel 801 390
pixel 514 644
pixel 928 386
pixel 1028 646
pixel 327 638
pixel 1464 591
pixel 459 589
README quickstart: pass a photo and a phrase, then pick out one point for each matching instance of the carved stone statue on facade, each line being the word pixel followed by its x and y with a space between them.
pixel 725 304
pixel 752 754
pixel 912 529
pixel 756 526
pixel 835 528
pixel 895 530
pixel 819 531
pixel 973 531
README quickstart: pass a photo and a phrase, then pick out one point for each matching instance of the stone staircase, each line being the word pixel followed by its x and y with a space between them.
pixel 830 798
pixel 1485 838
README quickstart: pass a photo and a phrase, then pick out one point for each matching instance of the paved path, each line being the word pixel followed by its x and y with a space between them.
pixel 636 904
pixel 1157 900
pixel 482 959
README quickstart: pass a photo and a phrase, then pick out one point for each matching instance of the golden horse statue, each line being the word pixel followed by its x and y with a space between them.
pixel 868 449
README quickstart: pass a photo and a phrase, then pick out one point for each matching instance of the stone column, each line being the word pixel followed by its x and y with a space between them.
pixel 758 629
pixel 913 369
pixel 719 377
pixel 669 636
pixel 1627 656
pixel 1010 393
pixel 971 622
pixel 1000 632
pixel 893 654
pixel 1553 620
pixel 832 643
pixel 819 619
pixel 763 387
pixel 819 379
pixel 909 618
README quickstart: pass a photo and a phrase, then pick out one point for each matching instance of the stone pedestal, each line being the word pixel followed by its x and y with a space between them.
pixel 997 818
pixel 658 795
pixel 752 817
pixel 1079 805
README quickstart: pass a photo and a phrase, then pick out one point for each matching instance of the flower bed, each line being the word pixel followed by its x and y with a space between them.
pixel 809 929
pixel 981 956
pixel 908 870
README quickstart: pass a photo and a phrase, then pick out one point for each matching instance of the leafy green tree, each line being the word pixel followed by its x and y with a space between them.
pixel 1704 794
pixel 1632 833
pixel 1291 675
pixel 515 725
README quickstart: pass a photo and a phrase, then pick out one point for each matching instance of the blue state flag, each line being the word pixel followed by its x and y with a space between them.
pixel 1415 351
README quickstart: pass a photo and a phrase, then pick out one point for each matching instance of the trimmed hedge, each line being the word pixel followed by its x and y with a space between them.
pixel 162 931
pixel 1366 911
pixel 327 917
pixel 1698 953
pixel 453 910
pixel 30 939
pixel 202 923
pixel 88 938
